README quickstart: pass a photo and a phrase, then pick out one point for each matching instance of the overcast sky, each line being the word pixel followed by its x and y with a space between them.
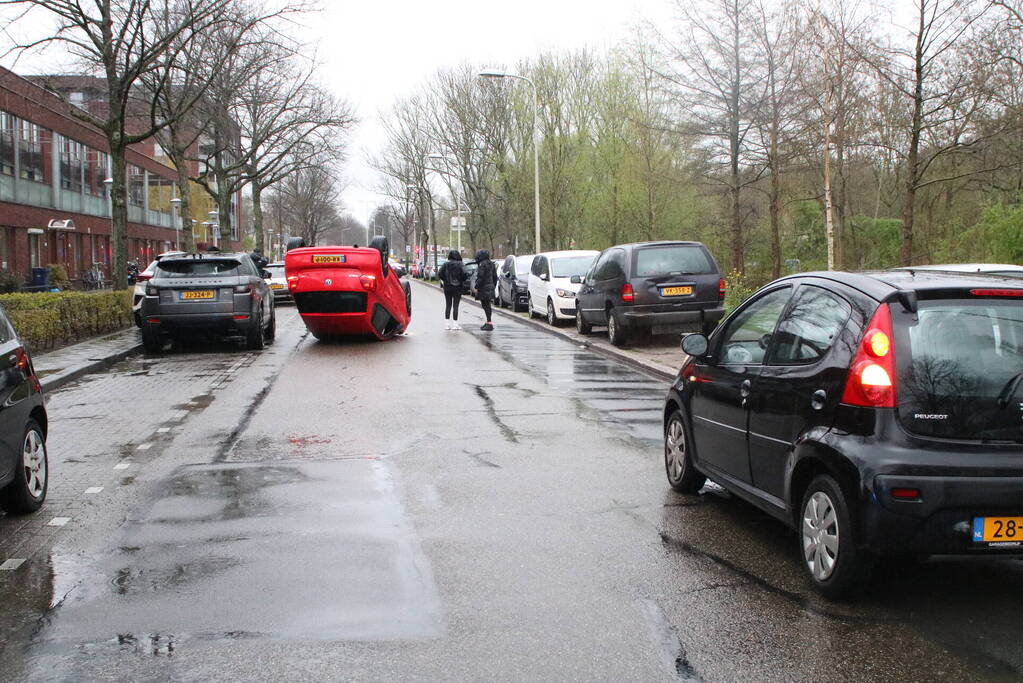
pixel 375 51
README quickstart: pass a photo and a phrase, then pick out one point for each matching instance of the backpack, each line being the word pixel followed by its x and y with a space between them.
pixel 454 275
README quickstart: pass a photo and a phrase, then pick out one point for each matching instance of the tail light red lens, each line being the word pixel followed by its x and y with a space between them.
pixel 23 363
pixel 628 294
pixel 996 292
pixel 292 281
pixel 906 494
pixel 369 282
pixel 871 381
pixel 722 287
pixel 243 289
pixel 142 277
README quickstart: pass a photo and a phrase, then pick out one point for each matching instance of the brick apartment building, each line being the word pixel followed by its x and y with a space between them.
pixel 54 203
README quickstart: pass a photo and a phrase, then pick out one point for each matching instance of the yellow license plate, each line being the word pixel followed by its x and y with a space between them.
pixel 676 291
pixel 276 286
pixel 998 530
pixel 199 294
pixel 329 258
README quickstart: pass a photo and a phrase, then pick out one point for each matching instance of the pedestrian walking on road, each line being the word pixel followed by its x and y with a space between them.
pixel 452 281
pixel 486 281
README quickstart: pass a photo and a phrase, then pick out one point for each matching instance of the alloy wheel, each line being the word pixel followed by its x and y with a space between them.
pixel 820 535
pixel 675 450
pixel 34 462
pixel 552 319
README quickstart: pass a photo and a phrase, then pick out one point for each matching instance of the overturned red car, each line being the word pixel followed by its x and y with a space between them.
pixel 347 291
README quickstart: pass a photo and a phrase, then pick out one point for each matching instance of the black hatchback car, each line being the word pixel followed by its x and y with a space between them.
pixel 219 294
pixel 24 469
pixel 875 413
pixel 651 287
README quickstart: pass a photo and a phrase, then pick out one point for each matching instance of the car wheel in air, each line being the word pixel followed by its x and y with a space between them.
pixel 552 318
pixel 581 326
pixel 27 490
pixel 827 541
pixel 152 342
pixel 254 340
pixel 615 334
pixel 682 476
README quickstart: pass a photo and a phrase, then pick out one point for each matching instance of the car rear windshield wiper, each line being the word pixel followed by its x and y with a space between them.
pixel 1005 395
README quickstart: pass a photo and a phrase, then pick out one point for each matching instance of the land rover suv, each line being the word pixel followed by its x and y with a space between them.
pixel 219 294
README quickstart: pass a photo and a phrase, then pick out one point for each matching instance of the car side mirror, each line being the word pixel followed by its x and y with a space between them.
pixel 545 277
pixel 696 345
pixel 576 280
pixel 265 274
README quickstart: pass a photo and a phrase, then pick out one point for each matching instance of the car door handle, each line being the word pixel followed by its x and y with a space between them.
pixel 744 388
pixel 818 399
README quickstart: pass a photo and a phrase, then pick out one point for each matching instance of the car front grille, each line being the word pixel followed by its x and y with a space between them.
pixel 331 302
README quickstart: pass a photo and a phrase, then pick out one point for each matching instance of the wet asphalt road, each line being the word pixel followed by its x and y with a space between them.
pixel 447 505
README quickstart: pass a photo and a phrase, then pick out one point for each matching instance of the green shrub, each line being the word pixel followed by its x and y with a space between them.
pixel 58 276
pixel 738 288
pixel 47 320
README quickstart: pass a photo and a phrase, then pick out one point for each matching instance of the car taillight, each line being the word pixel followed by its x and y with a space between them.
pixel 871 381
pixel 722 286
pixel 628 294
pixel 152 291
pixel 369 282
pixel 996 292
pixel 292 281
pixel 142 277
pixel 23 363
pixel 243 289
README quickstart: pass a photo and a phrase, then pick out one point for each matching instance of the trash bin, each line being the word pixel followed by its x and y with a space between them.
pixel 40 277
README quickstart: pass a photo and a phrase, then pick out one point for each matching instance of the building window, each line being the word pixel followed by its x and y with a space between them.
pixel 95 163
pixel 136 185
pixel 7 143
pixel 5 256
pixel 31 152
pixel 71 159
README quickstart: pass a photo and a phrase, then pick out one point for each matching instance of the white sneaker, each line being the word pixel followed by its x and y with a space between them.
pixel 447 324
pixel 456 326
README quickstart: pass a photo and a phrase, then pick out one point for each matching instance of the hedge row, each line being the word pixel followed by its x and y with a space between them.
pixel 48 320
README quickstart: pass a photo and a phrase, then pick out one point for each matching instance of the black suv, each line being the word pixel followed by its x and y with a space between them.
pixel 653 287
pixel 24 468
pixel 214 293
pixel 875 413
pixel 513 282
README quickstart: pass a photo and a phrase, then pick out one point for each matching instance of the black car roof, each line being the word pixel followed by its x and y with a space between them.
pixel 881 284
pixel 659 243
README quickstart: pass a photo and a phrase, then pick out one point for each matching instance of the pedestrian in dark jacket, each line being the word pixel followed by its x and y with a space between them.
pixel 452 281
pixel 486 280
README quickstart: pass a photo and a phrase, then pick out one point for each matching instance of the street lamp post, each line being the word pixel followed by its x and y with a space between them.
pixel 497 73
pixel 176 203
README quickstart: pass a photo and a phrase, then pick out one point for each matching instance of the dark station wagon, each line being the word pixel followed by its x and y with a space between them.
pixel 875 413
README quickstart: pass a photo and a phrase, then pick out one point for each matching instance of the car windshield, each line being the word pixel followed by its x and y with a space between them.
pixel 672 260
pixel 567 266
pixel 197 268
pixel 955 359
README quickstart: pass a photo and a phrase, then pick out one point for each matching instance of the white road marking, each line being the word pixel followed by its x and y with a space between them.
pixel 122 466
pixel 144 446
pixel 58 521
pixel 163 430
pixel 94 489
pixel 11 564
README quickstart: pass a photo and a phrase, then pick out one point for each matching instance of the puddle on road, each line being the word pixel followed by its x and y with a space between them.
pixel 620 395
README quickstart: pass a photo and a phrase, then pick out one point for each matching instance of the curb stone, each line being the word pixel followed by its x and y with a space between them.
pixel 653 369
pixel 56 380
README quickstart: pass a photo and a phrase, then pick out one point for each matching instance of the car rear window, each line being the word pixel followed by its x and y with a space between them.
pixel 198 268
pixel 276 271
pixel 673 260
pixel 955 359
pixel 567 266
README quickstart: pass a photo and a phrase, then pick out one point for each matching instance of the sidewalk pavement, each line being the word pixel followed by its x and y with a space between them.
pixel 657 356
pixel 61 366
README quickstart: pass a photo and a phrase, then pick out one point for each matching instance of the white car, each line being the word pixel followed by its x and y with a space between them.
pixel 139 290
pixel 277 282
pixel 551 289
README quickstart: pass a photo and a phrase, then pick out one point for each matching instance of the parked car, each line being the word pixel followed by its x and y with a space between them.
pixel 651 288
pixel 513 282
pixel 348 290
pixel 278 282
pixel 139 287
pixel 24 468
pixel 554 278
pixel 988 268
pixel 416 269
pixel 875 413
pixel 433 269
pixel 220 293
